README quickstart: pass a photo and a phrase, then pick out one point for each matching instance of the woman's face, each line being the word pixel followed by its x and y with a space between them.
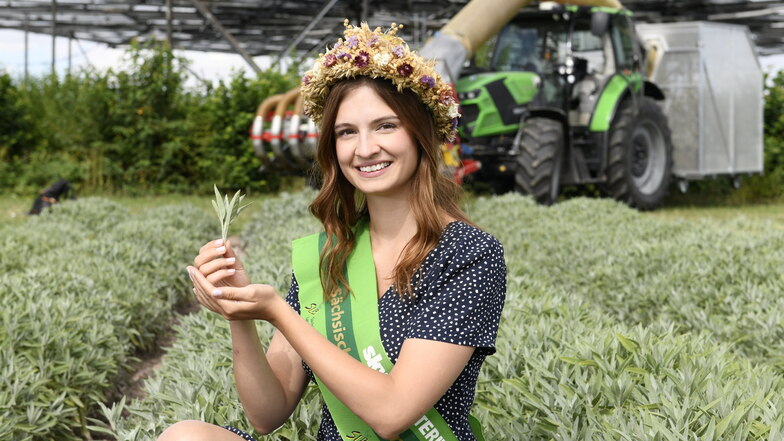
pixel 375 152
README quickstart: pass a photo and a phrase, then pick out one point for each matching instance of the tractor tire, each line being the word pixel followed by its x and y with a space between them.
pixel 539 161
pixel 639 164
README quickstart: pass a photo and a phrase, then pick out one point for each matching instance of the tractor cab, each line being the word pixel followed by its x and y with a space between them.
pixel 568 54
pixel 540 99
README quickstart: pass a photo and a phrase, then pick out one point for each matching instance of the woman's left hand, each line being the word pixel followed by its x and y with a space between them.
pixel 251 302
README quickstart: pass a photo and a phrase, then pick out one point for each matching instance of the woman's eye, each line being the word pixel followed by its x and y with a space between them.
pixel 344 132
pixel 387 126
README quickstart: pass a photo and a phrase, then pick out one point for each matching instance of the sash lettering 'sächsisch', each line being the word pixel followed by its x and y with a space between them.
pixel 351 323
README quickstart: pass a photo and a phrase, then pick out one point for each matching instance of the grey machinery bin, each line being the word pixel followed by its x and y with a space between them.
pixel 713 87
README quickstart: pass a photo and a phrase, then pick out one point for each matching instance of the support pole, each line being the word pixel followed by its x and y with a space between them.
pixel 327 6
pixel 169 23
pixel 363 14
pixel 230 38
pixel 70 42
pixel 26 46
pixel 54 32
pixel 84 54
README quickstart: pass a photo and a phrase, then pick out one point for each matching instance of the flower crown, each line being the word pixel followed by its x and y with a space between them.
pixel 377 54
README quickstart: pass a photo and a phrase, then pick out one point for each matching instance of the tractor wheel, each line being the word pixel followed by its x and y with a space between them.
pixel 640 156
pixel 539 161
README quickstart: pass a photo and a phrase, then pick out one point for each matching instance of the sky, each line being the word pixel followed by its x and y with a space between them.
pixel 209 66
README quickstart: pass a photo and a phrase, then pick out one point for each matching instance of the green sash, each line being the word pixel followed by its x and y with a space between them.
pixel 351 323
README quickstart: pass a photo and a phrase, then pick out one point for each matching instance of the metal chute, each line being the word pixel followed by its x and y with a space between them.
pixel 283 138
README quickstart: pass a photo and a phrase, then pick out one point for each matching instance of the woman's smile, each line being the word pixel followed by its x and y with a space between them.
pixel 367 169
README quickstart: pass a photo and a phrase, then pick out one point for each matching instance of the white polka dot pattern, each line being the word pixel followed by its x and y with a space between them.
pixel 458 297
pixel 245 436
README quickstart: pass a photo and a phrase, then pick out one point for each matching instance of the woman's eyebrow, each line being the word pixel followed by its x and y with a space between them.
pixel 378 120
pixel 384 118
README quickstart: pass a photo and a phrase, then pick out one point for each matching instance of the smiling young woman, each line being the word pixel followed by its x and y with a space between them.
pixel 403 294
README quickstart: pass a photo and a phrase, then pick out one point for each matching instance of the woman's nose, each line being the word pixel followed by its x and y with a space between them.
pixel 368 145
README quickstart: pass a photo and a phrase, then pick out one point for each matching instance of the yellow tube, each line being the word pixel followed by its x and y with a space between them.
pixel 268 104
pixel 288 100
pixel 473 31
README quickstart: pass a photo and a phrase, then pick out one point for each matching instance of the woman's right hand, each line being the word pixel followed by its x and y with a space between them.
pixel 219 264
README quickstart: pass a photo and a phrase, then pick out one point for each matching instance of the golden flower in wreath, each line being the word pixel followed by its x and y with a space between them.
pixel 377 54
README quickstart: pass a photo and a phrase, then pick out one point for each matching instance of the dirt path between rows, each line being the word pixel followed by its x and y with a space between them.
pixel 132 386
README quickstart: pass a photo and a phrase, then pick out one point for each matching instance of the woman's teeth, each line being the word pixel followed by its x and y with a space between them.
pixel 376 167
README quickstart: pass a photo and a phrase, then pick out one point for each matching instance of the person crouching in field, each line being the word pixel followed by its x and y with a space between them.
pixel 393 309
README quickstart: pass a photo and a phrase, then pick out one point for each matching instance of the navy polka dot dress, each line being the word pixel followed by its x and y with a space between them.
pixel 458 297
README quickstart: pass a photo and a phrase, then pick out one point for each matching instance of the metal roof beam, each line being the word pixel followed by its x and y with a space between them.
pixel 230 38
pixel 327 6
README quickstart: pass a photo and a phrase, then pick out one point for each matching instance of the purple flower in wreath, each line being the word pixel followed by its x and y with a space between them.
pixel 353 41
pixel 306 80
pixel 454 122
pixel 428 81
pixel 362 59
pixel 344 56
pixel 373 40
pixel 399 51
pixel 330 60
pixel 405 69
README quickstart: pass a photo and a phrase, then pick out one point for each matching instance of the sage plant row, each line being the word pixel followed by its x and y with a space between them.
pixel 617 326
pixel 84 288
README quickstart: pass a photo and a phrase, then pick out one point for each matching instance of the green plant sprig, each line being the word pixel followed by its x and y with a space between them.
pixel 226 210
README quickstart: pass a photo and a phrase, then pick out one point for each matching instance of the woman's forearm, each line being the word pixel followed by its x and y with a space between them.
pixel 266 401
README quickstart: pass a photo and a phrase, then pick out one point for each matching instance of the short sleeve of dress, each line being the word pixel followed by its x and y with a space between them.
pixel 464 292
pixel 292 298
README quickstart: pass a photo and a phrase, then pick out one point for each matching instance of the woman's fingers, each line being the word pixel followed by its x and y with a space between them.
pixel 203 298
pixel 217 265
pixel 230 251
pixel 206 302
pixel 211 251
pixel 208 295
pixel 219 276
pixel 217 256
pixel 250 302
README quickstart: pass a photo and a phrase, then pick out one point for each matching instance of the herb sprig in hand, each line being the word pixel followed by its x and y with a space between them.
pixel 226 210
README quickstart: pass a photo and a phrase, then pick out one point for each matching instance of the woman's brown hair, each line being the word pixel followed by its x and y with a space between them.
pixel 339 208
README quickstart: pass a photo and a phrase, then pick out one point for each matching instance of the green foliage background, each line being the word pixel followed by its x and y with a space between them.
pixel 617 326
pixel 135 131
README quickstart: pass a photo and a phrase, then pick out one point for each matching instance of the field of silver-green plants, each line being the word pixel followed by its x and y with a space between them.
pixel 617 326
pixel 83 288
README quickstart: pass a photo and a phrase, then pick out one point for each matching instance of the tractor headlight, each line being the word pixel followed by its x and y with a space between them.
pixel 470 95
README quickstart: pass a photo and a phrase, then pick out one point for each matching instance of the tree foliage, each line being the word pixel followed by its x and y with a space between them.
pixel 136 130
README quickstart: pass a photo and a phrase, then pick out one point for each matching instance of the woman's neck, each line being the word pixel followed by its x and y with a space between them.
pixel 391 218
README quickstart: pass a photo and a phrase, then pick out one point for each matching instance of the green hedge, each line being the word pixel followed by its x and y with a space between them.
pixel 617 326
pixel 84 287
pixel 135 131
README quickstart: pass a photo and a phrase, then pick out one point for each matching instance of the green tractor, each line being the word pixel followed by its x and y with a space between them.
pixel 558 98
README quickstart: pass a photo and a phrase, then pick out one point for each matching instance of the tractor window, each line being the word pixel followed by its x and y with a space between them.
pixel 588 46
pixel 529 48
pixel 623 42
